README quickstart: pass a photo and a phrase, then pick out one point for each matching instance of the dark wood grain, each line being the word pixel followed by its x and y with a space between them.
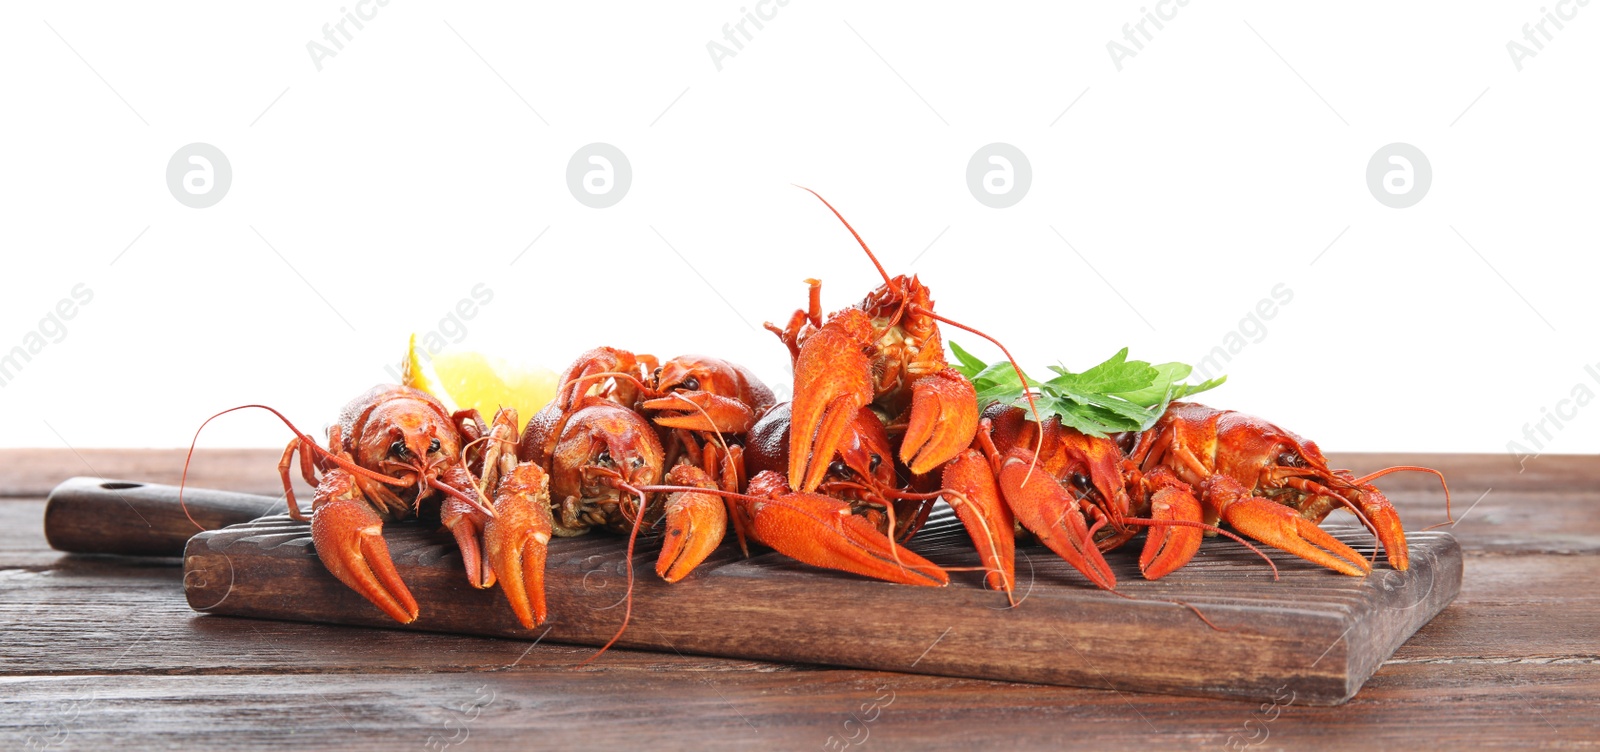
pixel 102 651
pixel 679 707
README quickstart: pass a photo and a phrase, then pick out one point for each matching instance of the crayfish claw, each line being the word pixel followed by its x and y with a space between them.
pixel 466 524
pixel 1280 527
pixel 695 522
pixel 820 531
pixel 517 540
pixel 944 418
pixel 832 381
pixel 1053 515
pixel 1169 547
pixel 701 411
pixel 348 535
pixel 1386 523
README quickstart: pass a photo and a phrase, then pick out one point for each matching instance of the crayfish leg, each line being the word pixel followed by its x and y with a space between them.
pixel 307 471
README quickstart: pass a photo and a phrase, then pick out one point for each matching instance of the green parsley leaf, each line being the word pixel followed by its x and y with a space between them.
pixel 1113 396
pixel 1167 374
pixel 1111 377
pixel 970 365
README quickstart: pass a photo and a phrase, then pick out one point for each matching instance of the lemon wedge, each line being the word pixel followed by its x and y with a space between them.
pixel 464 380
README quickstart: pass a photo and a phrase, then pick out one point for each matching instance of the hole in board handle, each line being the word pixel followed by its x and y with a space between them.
pixel 119 485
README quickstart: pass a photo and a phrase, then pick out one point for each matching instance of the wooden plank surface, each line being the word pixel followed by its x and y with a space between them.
pixel 102 651
pixel 1313 633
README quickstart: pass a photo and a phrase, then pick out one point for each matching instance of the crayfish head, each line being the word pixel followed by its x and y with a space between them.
pixel 1294 464
pixel 863 463
pixel 863 466
pixel 1271 460
pixel 1089 467
pixel 906 344
pixel 603 446
pixel 705 394
pixel 407 440
pixel 696 373
pixel 594 372
pixel 895 298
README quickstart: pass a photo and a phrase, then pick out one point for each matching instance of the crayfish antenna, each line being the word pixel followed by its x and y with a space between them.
pixel 1449 518
pixel 641 491
pixel 627 609
pixel 914 572
pixel 288 490
pixel 1174 601
pixel 886 280
pixel 852 230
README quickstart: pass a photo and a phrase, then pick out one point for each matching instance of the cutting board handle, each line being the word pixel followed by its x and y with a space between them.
pixel 105 516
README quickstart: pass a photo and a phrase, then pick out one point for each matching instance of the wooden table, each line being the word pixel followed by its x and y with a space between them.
pixel 102 651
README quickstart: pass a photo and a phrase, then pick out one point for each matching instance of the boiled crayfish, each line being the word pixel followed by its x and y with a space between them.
pixel 619 423
pixel 1270 484
pixel 1195 468
pixel 883 359
pixel 396 453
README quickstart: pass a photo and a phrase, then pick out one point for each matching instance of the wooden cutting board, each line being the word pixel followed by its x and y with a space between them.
pixel 1313 633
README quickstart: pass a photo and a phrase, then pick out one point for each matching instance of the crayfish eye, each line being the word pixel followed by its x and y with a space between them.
pixel 604 457
pixel 1081 481
pixel 398 448
pixel 874 462
pixel 637 462
pixel 1291 459
pixel 433 446
pixel 838 468
pixel 691 383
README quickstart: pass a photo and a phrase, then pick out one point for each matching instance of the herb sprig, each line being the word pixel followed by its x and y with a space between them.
pixel 1117 395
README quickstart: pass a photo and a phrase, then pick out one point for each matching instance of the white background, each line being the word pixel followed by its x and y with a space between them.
pixel 410 169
